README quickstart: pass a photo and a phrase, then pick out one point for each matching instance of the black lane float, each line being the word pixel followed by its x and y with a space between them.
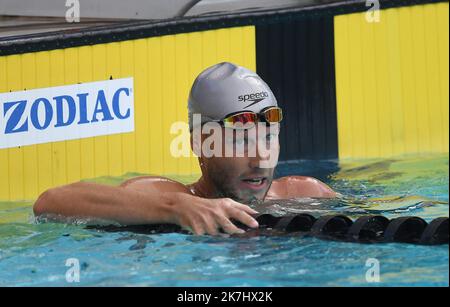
pixel 365 229
pixel 337 227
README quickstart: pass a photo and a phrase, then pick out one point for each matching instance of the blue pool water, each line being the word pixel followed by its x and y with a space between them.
pixel 33 254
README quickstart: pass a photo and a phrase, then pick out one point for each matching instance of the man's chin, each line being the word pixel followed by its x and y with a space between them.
pixel 249 198
pixel 246 195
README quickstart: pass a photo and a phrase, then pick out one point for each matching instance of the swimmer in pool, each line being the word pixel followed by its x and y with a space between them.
pixel 244 115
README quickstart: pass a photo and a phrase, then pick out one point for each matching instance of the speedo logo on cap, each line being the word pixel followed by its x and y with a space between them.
pixel 254 98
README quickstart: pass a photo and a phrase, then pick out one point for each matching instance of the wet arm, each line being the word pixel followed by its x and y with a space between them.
pixel 91 200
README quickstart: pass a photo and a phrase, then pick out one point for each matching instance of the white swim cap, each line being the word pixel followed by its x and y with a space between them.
pixel 227 88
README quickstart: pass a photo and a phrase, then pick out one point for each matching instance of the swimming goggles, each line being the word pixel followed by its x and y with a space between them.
pixel 248 119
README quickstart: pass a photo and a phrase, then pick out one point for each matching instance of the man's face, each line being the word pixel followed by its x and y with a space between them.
pixel 245 172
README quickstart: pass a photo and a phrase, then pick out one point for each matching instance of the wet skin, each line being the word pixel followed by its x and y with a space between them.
pixel 227 185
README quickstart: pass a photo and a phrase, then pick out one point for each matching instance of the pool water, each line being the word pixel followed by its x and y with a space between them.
pixel 35 254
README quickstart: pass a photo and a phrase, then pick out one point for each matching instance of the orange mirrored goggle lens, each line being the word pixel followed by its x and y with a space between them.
pixel 273 115
pixel 243 119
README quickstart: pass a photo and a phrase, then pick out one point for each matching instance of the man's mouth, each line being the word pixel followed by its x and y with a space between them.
pixel 255 183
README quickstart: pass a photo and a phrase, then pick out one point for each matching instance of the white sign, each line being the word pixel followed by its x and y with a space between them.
pixel 66 112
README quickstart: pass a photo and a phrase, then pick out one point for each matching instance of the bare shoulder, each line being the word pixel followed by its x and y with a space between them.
pixel 154 183
pixel 299 186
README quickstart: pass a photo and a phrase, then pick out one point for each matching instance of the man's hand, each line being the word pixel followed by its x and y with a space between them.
pixel 207 216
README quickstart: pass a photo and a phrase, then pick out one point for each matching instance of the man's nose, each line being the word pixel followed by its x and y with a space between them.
pixel 260 153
